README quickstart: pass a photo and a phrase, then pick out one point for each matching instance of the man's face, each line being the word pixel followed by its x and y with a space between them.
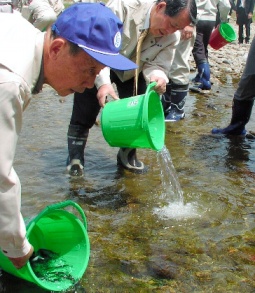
pixel 72 73
pixel 161 24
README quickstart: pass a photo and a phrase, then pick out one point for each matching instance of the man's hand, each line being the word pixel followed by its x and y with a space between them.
pixel 19 262
pixel 187 32
pixel 160 87
pixel 103 92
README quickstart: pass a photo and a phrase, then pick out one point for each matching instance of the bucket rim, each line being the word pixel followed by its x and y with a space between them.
pixel 224 35
pixel 147 96
pixel 83 226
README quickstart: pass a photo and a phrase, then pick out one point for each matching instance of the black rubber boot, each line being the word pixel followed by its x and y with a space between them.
pixel 76 137
pixel 178 99
pixel 241 113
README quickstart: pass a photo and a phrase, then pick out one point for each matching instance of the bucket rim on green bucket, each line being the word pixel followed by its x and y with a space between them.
pixel 222 29
pixel 123 122
pixel 157 146
pixel 59 207
pixel 65 235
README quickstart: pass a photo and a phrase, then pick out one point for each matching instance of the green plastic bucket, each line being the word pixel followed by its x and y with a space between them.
pixel 135 122
pixel 222 35
pixel 61 232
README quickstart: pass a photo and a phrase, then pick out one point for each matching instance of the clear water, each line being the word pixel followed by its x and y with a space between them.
pixel 188 225
pixel 172 194
pixel 54 269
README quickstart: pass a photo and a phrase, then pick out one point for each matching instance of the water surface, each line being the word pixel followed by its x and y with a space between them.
pixel 185 226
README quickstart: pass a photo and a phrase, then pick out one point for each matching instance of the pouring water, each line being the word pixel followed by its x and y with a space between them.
pixel 172 193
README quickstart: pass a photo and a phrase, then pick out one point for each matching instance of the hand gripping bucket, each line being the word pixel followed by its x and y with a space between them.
pixel 222 35
pixel 61 232
pixel 135 122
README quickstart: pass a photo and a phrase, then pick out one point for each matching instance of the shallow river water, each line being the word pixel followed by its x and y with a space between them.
pixel 188 225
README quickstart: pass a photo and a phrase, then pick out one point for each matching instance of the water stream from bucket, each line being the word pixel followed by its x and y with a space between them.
pixel 172 193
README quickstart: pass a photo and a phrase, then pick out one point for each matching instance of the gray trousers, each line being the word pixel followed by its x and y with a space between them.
pixel 246 85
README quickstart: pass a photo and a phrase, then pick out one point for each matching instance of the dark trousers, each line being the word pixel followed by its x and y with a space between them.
pixel 86 106
pixel 247 32
pixel 200 48
pixel 243 21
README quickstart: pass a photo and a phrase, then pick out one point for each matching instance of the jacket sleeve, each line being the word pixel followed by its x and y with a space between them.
pixel 118 8
pixel 13 240
pixel 251 6
pixel 161 64
pixel 224 8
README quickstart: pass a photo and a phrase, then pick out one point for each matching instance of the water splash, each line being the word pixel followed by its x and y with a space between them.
pixel 177 211
pixel 171 191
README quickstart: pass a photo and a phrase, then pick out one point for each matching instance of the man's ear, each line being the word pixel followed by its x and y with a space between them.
pixel 160 6
pixel 55 47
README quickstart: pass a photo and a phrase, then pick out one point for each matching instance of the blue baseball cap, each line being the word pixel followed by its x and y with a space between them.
pixel 95 29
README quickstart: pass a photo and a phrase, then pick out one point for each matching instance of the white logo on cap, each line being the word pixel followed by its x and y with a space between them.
pixel 117 40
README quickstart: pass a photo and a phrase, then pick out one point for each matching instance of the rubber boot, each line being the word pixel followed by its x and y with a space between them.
pixel 127 158
pixel 241 113
pixel 76 138
pixel 202 79
pixel 178 99
pixel 166 99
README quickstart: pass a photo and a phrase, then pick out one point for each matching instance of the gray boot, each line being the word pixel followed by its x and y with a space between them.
pixel 127 158
pixel 76 137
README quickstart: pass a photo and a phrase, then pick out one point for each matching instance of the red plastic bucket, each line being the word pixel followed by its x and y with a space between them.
pixel 222 35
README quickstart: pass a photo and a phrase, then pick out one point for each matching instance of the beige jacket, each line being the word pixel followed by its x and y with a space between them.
pixel 157 53
pixel 20 63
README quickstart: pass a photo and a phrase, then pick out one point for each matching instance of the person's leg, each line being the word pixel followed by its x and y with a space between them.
pixel 175 97
pixel 84 114
pixel 243 99
pixel 200 54
pixel 127 157
pixel 240 34
pixel 178 100
pixel 247 31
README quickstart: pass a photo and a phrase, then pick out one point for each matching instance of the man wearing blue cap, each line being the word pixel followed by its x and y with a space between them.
pixel 83 40
pixel 161 20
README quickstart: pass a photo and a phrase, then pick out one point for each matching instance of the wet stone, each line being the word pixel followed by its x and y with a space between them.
pixel 163 268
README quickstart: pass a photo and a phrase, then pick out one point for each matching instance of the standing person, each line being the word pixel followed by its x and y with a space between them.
pixel 243 99
pixel 232 8
pixel 207 10
pixel 84 39
pixel 161 19
pixel 244 12
pixel 42 13
pixel 174 99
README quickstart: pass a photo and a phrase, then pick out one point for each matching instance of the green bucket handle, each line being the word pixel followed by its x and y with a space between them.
pixel 146 96
pixel 62 205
